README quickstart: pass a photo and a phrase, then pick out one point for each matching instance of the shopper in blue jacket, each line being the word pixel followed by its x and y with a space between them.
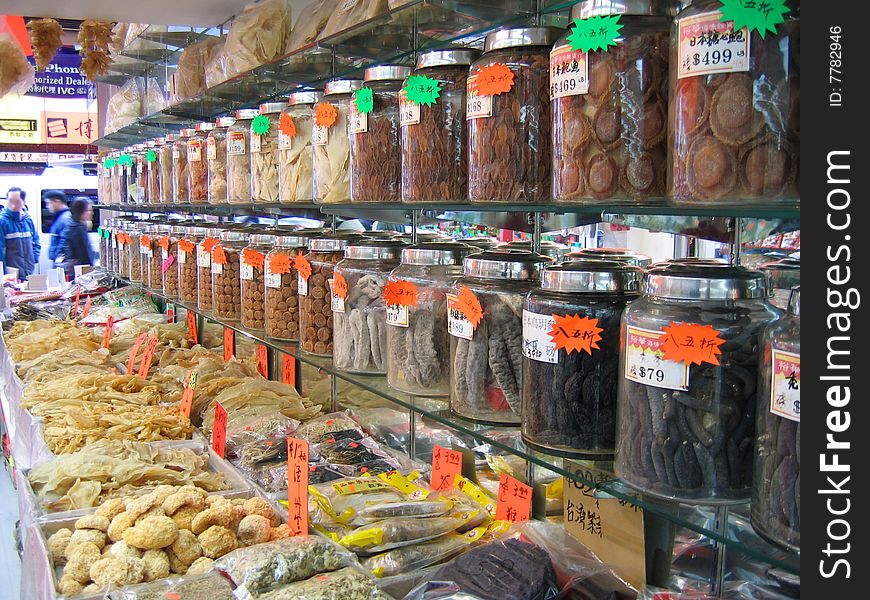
pixel 19 246
pixel 76 246
pixel 57 204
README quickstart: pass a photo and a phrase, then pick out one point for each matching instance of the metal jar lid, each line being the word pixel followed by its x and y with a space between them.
pixel 263 239
pixel 447 57
pixel 603 8
pixel 425 236
pixel 623 255
pixel 162 229
pixel 481 242
pixel 269 108
pixel 505 264
pixel 387 73
pixel 187 132
pixel 697 260
pixel 521 36
pixel 196 231
pixel 312 97
pixel 794 302
pixel 234 236
pixel 705 281
pixel 375 250
pixel 170 138
pixel 785 265
pixel 224 121
pixel 214 232
pixel 548 247
pixel 204 126
pixel 436 253
pixel 341 86
pixel 332 243
pixel 178 229
pixel 246 114
pixel 592 276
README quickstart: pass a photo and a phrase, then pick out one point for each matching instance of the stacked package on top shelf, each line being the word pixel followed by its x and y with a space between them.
pixel 190 78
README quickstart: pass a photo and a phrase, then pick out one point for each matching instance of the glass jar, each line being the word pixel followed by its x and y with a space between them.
pixel 145 245
pixel 152 171
pixel 569 384
pixel 104 232
pixel 331 143
pixel 485 321
pixel 295 152
pixel 623 255
pixel 116 175
pixel 216 155
pixel 122 251
pixel 434 151
pixel 785 275
pixel 180 169
pixel 375 160
pixel 481 242
pixel 610 107
pixel 509 133
pixel 685 417
pixel 164 159
pixel 169 259
pixel 776 508
pixel 253 284
pixel 197 164
pixel 155 258
pixel 733 126
pixel 203 267
pixel 225 277
pixel 281 285
pixel 315 308
pixel 128 179
pixel 187 264
pixel 118 241
pixel 264 156
pixel 358 307
pixel 554 250
pixel 239 157
pixel 138 191
pixel 418 347
pixel 104 180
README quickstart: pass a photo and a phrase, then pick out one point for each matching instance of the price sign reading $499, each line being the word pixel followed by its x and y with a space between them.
pixel 709 46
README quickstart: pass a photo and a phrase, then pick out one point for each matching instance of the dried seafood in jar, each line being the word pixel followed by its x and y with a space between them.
pixel 264 153
pixel 180 169
pixel 239 157
pixel 329 137
pixel 197 164
pixel 253 287
pixel 295 152
pixel 216 156
pixel 225 275
pixel 164 160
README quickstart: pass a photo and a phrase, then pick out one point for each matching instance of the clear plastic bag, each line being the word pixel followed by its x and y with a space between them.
pixel 16 74
pixel 190 77
pixel 352 12
pixel 317 430
pixel 397 532
pixel 261 428
pixel 310 23
pixel 347 584
pixel 211 586
pixel 257 36
pixel 155 99
pixel 215 67
pixel 409 558
pixel 125 106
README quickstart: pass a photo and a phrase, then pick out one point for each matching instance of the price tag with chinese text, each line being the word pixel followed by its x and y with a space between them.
pixel 148 356
pixel 645 362
pixel 514 500
pixel 446 465
pixel 219 430
pixel 297 486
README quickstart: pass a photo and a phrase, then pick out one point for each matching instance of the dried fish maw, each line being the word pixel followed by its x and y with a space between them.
pixel 733 117
pixel 602 176
pixel 608 127
pixel 710 168
pixel 691 106
pixel 768 168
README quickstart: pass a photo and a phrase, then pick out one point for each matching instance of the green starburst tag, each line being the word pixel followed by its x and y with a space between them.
pixel 422 90
pixel 364 100
pixel 260 125
pixel 757 15
pixel 151 156
pixel 595 33
pixel 125 160
pixel 109 163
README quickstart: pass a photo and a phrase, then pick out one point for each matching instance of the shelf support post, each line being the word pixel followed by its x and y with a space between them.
pixel 718 575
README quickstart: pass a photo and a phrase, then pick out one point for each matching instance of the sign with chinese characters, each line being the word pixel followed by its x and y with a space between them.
pixel 537 344
pixel 514 500
pixel 569 73
pixel 645 362
pixel 708 46
pixel 446 465
pixel 62 79
pixel 297 486
pixel 785 388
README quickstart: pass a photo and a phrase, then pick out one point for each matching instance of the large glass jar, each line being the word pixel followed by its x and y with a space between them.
pixel 329 137
pixel 685 417
pixel 203 267
pixel 315 270
pixel 155 257
pixel 164 159
pixel 197 164
pixel 282 285
pixel 434 150
pixel 623 255
pixel 733 125
pixel 358 305
pixel 137 177
pixel 122 250
pixel 569 380
pixel 785 275
pixel 116 172
pixel 152 171
pixel 169 259
pixel 418 347
pixel 146 244
pixel 187 267
pixel 105 233
pixel 295 152
pixel 253 283
pixel 509 132
pixel 776 507
pixel 180 169
pixel 225 275
pixel 216 155
pixel 610 107
pixel 264 154
pixel 104 180
pixel 239 157
pixel 131 188
pixel 485 321
pixel 554 250
pixel 375 160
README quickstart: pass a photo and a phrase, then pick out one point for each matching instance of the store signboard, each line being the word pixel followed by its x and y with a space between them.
pixel 62 79
pixel 32 120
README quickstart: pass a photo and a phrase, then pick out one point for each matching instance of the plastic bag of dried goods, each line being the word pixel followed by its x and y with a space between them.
pixel 257 36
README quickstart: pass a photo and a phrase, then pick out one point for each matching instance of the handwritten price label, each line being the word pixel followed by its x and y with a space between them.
pixel 446 465
pixel 164 243
pixel 458 324
pixel 253 258
pixel 400 292
pixel 218 256
pixel 229 343
pixel 286 126
pixel 167 264
pixel 468 304
pixel 573 333
pixel 325 114
pixel 107 335
pixel 76 305
pixel 514 500
pixel 191 328
pixel 148 356
pixel 187 394
pixel 219 430
pixel 339 286
pixel 691 343
pixel 263 361
pixel 280 264
pixel 288 370
pixel 303 267
pixel 297 486
pixel 87 309
pixel 537 344
pixel 131 360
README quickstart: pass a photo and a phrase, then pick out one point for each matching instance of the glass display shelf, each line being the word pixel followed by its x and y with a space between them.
pixel 733 531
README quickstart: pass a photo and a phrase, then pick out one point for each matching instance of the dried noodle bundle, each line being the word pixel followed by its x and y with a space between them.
pixel 29 339
pixel 45 37
pixel 95 38
pixel 73 389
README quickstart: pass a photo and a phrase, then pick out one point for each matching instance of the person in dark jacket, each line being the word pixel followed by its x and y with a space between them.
pixel 19 242
pixel 57 204
pixel 76 245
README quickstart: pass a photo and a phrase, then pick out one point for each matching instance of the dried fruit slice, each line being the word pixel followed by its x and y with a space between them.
pixel 641 174
pixel 768 168
pixel 733 117
pixel 602 176
pixel 710 168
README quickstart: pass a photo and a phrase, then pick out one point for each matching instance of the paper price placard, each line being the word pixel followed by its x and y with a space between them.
pixel 229 343
pixel 187 394
pixel 131 360
pixel 148 356
pixel 107 335
pixel 191 328
pixel 288 369
pixel 514 500
pixel 446 465
pixel 297 486
pixel 219 429
pixel 263 360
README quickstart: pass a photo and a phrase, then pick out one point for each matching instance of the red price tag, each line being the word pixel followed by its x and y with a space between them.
pixel 87 309
pixel 187 394
pixel 263 360
pixel 191 327
pixel 229 342
pixel 401 293
pixel 446 465
pixel 297 486
pixel 219 430
pixel 302 265
pixel 288 369
pixel 170 313
pixel 148 356
pixel 107 335
pixel 494 79
pixel 131 361
pixel 339 286
pixel 514 500
pixel 76 306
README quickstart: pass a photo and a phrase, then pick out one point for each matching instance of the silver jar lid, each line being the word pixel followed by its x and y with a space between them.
pixel 262 239
pixel 387 73
pixel 623 255
pixel 246 114
pixel 521 36
pixel 425 236
pixel 178 229
pixel 794 302
pixel 697 260
pixel 341 86
pixel 170 138
pixel 505 264
pixel 269 108
pixel 312 97
pixel 332 243
pixel 163 228
pixel 436 253
pixel 196 231
pixel 447 57
pixel 204 126
pixel 374 250
pixel 224 121
pixel 548 247
pixel 592 276
pixel 787 265
pixel 380 235
pixel 603 8
pixel 214 232
pixel 234 236
pixel 482 242
pixel 708 281
pixel 187 132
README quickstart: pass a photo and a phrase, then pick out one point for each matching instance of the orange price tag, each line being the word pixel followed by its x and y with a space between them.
pixel 76 305
pixel 446 465
pixel 219 430
pixel 145 241
pixel 131 361
pixel 186 246
pixel 339 286
pixel 187 394
pixel 514 500
pixel 303 266
pixel 401 293
pixel 229 342
pixel 252 258
pixel 218 255
pixel 191 328
pixel 468 304
pixel 107 335
pixel 287 126
pixel 148 356
pixel 691 343
pixel 288 369
pixel 164 243
pixel 263 360
pixel 325 114
pixel 574 334
pixel 208 244
pixel 494 79
pixel 297 486
pixel 87 309
pixel 280 264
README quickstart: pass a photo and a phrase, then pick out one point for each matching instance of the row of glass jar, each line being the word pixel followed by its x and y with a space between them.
pixel 679 107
